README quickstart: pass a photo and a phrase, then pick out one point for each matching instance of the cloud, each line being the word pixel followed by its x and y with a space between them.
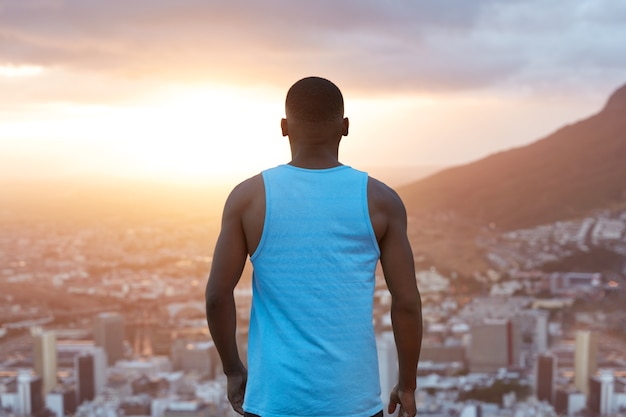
pixel 391 47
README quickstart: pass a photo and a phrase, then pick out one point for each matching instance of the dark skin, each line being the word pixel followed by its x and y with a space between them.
pixel 315 146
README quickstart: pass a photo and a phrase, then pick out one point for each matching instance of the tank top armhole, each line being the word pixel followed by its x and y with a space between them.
pixel 366 214
pixel 266 221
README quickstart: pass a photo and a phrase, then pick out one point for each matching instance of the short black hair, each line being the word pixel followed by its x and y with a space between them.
pixel 314 99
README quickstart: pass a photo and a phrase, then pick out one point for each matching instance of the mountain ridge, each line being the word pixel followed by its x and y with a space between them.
pixel 576 169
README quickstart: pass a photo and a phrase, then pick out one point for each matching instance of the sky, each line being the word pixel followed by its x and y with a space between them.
pixel 194 90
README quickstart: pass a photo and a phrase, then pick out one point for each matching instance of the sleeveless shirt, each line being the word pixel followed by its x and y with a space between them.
pixel 311 346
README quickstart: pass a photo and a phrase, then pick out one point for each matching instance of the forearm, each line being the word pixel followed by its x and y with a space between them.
pixel 406 318
pixel 222 320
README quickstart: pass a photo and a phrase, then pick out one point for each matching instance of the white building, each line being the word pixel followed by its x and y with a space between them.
pixel 601 389
pixel 387 365
pixel 149 366
pixel 61 401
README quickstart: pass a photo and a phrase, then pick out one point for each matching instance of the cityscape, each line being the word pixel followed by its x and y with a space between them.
pixel 500 125
pixel 107 319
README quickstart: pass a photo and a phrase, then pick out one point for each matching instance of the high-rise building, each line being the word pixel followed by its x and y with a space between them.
pixel 100 368
pixel 29 393
pixel 546 374
pixel 108 332
pixel 585 359
pixel 600 398
pixel 387 365
pixel 541 331
pixel 495 344
pixel 61 401
pixel 198 357
pixel 85 375
pixel 45 358
pixel 69 350
pixel 568 402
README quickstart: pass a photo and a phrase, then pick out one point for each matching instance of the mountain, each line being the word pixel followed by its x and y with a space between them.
pixel 579 168
pixel 396 176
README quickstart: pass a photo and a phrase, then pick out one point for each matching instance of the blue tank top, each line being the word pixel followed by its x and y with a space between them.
pixel 311 347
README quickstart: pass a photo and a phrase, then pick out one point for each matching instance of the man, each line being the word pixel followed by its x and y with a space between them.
pixel 314 230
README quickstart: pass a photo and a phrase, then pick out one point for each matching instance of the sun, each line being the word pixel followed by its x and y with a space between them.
pixel 14 71
pixel 189 133
pixel 205 132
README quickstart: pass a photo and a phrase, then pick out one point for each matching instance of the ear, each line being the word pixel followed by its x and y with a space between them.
pixel 346 125
pixel 284 127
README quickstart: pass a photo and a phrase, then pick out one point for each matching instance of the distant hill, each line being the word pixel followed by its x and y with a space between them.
pixel 396 176
pixel 578 168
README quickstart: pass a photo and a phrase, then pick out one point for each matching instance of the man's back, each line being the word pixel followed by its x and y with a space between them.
pixel 247 200
pixel 311 330
pixel 368 220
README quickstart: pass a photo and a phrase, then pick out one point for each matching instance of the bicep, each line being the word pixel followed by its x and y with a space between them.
pixel 396 255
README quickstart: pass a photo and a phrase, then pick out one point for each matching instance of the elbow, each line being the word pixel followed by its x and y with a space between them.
pixel 408 303
pixel 217 300
pixel 212 299
pixel 211 302
pixel 412 308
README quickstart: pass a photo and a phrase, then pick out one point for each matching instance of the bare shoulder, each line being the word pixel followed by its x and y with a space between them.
pixel 385 208
pixel 382 197
pixel 244 195
pixel 244 211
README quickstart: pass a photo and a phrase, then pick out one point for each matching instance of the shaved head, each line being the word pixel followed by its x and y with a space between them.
pixel 314 99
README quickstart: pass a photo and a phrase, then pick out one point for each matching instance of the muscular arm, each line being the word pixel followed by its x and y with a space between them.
pixel 229 259
pixel 390 224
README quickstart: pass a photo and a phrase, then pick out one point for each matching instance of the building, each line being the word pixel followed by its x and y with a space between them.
pixel 198 357
pixel 541 331
pixel 568 402
pixel 495 344
pixel 585 359
pixel 189 409
pixel 471 410
pixel 546 374
pixel 61 401
pixel 45 358
pixel 150 367
pixel 68 350
pixel 138 405
pixel 600 398
pixel 108 333
pixel 577 282
pixel 29 393
pixel 387 364
pixel 442 353
pixel 85 374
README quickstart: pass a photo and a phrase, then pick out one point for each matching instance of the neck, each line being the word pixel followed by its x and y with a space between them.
pixel 314 157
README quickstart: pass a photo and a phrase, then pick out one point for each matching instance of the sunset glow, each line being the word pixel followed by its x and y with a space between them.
pixel 12 71
pixel 204 132
pixel 199 133
pixel 195 92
